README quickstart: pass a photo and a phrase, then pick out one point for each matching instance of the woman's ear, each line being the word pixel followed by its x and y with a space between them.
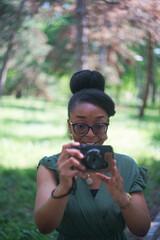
pixel 69 130
pixel 69 126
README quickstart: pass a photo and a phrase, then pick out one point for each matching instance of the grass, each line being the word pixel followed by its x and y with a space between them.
pixel 17 194
pixel 31 128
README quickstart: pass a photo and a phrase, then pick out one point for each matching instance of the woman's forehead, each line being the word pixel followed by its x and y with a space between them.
pixel 84 109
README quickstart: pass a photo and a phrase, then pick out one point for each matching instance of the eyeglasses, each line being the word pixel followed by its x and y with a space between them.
pixel 81 129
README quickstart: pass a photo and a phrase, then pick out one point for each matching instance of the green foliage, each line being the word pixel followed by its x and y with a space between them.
pixel 17 196
pixel 13 78
pixel 44 45
pixel 8 12
pixel 58 34
pixel 128 79
pixel 53 27
pixel 27 66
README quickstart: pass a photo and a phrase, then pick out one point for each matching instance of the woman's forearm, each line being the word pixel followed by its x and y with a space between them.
pixel 49 215
pixel 137 219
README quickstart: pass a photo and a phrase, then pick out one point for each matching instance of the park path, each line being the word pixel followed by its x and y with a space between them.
pixel 154 232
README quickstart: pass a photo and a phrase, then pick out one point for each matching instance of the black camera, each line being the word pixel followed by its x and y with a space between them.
pixel 96 156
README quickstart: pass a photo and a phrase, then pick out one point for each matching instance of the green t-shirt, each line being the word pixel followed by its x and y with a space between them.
pixel 97 218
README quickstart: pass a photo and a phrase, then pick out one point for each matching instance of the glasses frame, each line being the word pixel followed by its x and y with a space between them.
pixel 89 127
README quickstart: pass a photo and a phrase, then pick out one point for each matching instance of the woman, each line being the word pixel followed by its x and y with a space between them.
pixel 101 204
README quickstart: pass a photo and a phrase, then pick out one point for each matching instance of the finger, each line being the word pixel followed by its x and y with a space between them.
pixel 69 145
pixel 115 169
pixel 82 174
pixel 103 177
pixel 74 152
pixel 69 150
pixel 72 163
pixel 73 173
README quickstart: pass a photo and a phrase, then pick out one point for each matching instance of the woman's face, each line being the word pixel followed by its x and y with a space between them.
pixel 90 114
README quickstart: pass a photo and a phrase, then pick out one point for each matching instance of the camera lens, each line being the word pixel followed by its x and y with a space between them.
pixel 93 159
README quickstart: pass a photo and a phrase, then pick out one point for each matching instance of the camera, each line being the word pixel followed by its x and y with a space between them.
pixel 96 156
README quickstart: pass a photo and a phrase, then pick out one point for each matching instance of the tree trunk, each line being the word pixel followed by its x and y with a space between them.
pixel 82 36
pixel 149 74
pixel 153 85
pixel 102 57
pixel 3 73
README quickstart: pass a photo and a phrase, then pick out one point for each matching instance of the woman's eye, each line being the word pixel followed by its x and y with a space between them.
pixel 80 126
pixel 99 126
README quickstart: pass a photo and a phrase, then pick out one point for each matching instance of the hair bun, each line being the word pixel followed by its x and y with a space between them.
pixel 87 79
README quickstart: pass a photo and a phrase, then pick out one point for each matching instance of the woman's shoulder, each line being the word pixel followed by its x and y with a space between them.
pixel 124 159
pixel 126 164
pixel 49 162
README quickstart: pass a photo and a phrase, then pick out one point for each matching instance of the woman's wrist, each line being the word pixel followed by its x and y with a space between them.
pixel 60 191
pixel 128 202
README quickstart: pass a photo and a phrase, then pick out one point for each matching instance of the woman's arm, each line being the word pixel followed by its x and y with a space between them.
pixel 135 213
pixel 49 211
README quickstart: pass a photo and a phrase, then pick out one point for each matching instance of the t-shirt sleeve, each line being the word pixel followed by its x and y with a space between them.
pixel 51 163
pixel 134 176
pixel 140 181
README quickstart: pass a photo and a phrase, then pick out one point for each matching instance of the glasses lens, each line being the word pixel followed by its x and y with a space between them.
pixel 99 129
pixel 80 129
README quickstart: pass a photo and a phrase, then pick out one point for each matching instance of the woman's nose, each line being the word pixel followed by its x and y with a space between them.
pixel 90 132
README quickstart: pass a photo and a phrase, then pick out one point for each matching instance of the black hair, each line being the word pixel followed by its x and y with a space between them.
pixel 88 86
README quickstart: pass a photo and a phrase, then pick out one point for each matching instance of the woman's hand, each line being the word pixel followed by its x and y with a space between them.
pixel 115 186
pixel 69 166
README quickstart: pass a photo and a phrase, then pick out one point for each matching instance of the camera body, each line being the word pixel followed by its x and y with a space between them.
pixel 96 156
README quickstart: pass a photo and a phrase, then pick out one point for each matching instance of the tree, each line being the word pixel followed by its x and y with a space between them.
pixel 142 19
pixel 147 17
pixel 20 62
pixel 102 32
pixel 3 72
pixel 112 28
pixel 82 35
pixel 149 74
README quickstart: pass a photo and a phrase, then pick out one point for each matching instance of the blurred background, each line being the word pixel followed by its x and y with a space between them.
pixel 42 43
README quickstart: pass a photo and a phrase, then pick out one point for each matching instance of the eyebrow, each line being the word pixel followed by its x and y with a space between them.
pixel 98 117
